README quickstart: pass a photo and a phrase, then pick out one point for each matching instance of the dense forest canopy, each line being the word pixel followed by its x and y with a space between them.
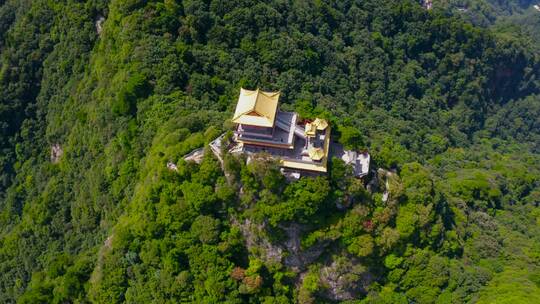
pixel 516 17
pixel 97 97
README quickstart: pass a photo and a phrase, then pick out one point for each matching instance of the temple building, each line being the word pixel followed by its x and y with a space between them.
pixel 262 127
pixel 301 147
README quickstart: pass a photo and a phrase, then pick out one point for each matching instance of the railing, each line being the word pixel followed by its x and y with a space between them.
pixel 297 160
pixel 262 140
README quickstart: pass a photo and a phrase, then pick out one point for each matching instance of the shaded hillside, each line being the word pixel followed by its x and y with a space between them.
pixel 509 18
pixel 485 12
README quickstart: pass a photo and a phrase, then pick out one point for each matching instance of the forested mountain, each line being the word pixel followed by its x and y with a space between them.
pixel 485 12
pixel 96 97
pixel 514 17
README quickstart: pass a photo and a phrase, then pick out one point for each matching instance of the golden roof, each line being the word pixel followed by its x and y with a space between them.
pixel 310 129
pixel 318 167
pixel 311 166
pixel 256 108
pixel 315 153
pixel 320 123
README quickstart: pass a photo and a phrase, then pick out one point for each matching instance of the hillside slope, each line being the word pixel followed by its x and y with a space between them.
pixel 448 110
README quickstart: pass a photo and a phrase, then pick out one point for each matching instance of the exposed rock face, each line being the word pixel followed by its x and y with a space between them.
pixel 257 243
pixel 392 184
pixel 56 153
pixel 297 258
pixel 172 166
pixel 427 4
pixel 195 156
pixel 99 24
pixel 97 274
pixel 344 279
